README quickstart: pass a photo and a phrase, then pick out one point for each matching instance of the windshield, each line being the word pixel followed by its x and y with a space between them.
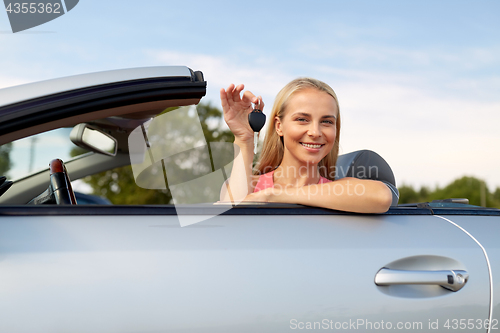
pixel 187 159
pixel 32 154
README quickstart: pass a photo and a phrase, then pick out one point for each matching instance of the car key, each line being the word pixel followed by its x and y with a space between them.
pixel 256 119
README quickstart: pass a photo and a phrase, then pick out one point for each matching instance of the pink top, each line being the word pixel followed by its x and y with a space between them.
pixel 266 180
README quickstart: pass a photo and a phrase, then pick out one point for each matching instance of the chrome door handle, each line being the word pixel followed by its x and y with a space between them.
pixel 453 280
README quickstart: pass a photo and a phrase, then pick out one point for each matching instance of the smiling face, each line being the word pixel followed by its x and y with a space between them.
pixel 308 127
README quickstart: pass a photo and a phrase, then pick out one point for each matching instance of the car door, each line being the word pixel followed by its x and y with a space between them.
pixel 251 269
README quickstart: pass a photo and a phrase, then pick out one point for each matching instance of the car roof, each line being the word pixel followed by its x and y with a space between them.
pixel 28 91
pixel 134 94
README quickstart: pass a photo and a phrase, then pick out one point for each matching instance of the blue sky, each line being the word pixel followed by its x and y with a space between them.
pixel 418 81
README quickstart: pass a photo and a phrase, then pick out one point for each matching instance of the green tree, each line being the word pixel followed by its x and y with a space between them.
pixel 424 193
pixel 495 198
pixel 5 162
pixel 496 195
pixel 471 188
pixel 211 122
pixel 118 185
pixel 407 194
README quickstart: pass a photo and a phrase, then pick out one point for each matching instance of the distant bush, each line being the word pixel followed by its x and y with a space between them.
pixel 471 188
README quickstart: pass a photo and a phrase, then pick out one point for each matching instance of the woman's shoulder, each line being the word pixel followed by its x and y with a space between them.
pixel 323 180
pixel 263 181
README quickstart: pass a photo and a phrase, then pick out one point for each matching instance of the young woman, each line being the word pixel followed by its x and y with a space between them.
pixel 297 163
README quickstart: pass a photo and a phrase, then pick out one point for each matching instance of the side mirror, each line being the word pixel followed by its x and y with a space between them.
pixel 93 139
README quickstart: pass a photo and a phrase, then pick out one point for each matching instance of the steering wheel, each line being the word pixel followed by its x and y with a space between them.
pixel 60 191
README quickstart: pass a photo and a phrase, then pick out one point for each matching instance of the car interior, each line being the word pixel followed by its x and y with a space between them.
pixel 108 148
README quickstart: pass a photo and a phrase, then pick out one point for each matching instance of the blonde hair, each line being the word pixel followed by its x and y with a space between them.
pixel 273 149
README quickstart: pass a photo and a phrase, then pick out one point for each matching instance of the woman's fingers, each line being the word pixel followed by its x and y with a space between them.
pixel 260 103
pixel 223 99
pixel 236 92
pixel 236 106
pixel 228 94
pixel 233 101
pixel 232 94
pixel 249 97
pixel 230 89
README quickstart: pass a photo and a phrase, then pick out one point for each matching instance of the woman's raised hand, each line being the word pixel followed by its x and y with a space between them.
pixel 236 109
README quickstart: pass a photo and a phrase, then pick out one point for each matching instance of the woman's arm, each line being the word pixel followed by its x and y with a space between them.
pixel 239 185
pixel 347 194
pixel 236 109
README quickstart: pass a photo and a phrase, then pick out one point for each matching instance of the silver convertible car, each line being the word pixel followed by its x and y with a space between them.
pixel 72 262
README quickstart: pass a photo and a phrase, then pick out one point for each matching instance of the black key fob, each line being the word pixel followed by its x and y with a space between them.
pixel 257 119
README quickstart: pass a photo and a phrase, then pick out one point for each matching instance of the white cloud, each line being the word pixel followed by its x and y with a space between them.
pixel 425 139
pixel 260 77
pixel 428 138
pixel 367 55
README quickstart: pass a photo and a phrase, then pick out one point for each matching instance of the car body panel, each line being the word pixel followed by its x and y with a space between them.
pixel 230 273
pixel 485 231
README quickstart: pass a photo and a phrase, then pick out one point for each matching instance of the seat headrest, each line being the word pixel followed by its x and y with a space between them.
pixel 366 164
